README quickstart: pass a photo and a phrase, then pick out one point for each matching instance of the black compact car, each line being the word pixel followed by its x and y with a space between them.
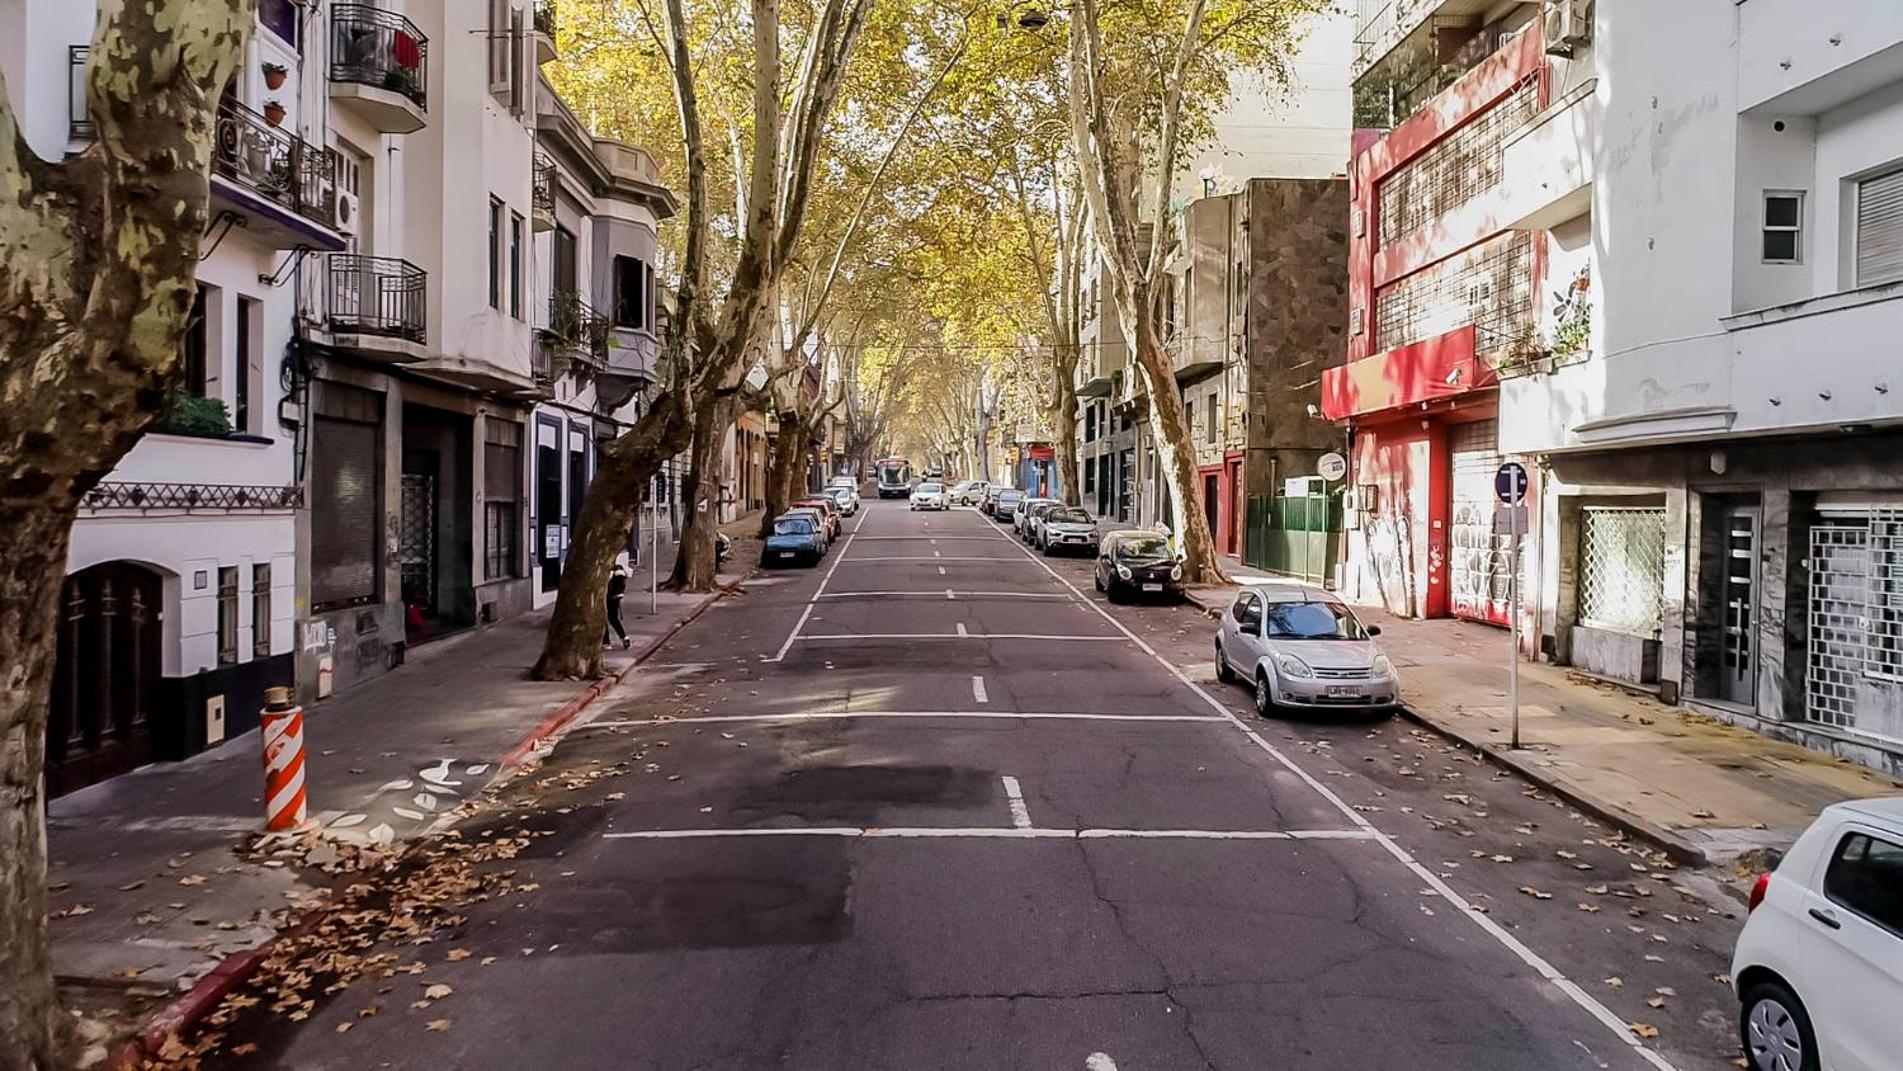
pixel 1136 563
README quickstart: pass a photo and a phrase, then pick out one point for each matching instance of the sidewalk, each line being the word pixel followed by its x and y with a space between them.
pixel 148 885
pixel 1707 791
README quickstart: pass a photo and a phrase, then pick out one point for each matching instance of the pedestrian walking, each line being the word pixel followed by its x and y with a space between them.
pixel 617 587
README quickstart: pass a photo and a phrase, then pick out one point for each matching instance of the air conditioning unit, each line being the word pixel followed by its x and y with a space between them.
pixel 349 208
pixel 1357 321
pixel 1565 25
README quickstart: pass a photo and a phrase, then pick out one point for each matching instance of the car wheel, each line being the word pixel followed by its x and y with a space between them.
pixel 1113 592
pixel 1097 579
pixel 1264 695
pixel 1776 1030
pixel 1224 674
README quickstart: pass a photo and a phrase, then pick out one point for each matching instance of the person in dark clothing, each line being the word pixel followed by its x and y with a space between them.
pixel 617 587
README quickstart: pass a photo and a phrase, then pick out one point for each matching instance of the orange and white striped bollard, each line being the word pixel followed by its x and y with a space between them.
pixel 283 761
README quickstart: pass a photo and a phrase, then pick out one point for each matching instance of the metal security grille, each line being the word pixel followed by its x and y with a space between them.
pixel 416 539
pixel 1456 169
pixel 1885 657
pixel 1622 569
pixel 1839 587
pixel 1489 286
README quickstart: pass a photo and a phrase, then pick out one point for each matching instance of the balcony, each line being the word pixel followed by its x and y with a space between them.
pixel 543 195
pixel 379 67
pixel 376 305
pixel 576 334
pixel 543 20
pixel 285 187
pixel 1415 375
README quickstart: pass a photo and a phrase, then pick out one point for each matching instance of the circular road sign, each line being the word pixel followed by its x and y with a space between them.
pixel 1332 466
pixel 1509 483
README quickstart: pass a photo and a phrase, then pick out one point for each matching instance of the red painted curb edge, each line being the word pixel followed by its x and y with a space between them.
pixel 198 1001
pixel 568 711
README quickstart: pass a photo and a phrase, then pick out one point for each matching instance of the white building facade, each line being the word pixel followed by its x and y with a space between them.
pixel 1713 397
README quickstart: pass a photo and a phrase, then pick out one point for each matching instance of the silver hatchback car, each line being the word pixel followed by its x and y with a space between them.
pixel 1301 647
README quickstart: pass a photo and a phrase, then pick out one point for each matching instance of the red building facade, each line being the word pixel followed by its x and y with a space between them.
pixel 1440 289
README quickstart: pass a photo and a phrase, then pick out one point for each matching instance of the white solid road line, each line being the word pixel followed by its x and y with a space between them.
pixel 961 634
pixel 1586 1001
pixel 978 690
pixel 817 592
pixel 1020 814
pixel 840 715
pixel 943 592
pixel 992 833
pixel 936 557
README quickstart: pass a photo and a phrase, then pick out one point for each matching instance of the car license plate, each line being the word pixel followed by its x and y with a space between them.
pixel 1343 691
pixel 786 554
pixel 1152 587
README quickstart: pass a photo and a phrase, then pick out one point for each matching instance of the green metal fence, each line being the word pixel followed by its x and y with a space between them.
pixel 1295 536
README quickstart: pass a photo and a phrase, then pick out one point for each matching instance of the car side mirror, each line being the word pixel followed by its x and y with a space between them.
pixel 1374 630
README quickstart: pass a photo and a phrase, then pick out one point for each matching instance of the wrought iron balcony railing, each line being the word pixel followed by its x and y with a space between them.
pixel 276 164
pixel 375 296
pixel 543 194
pixel 373 47
pixel 576 330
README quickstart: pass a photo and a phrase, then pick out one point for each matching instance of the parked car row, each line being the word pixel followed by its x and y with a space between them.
pixel 844 490
pixel 803 534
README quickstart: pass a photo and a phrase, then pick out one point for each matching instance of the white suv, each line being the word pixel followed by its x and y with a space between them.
pixel 1819 966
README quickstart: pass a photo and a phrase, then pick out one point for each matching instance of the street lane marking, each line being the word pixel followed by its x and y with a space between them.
pixel 817 592
pixel 835 715
pixel 1586 1001
pixel 950 595
pixel 793 635
pixel 962 634
pixel 936 557
pixel 1020 814
pixel 991 833
pixel 1099 1061
pixel 930 538
pixel 941 570
pixel 978 690
pixel 936 594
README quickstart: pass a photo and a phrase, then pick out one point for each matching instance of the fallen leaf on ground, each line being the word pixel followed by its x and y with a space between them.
pixel 1615 982
pixel 73 911
pixel 438 991
pixel 192 879
pixel 1644 1030
pixel 130 885
pixel 1535 893
pixel 1655 1002
pixel 443 1024
pixel 344 1027
pixel 456 954
pixel 1503 859
pixel 1589 907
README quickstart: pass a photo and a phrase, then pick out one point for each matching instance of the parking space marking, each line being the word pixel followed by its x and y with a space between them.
pixel 961 634
pixel 937 592
pixel 1020 814
pixel 1584 1000
pixel 978 691
pixel 961 630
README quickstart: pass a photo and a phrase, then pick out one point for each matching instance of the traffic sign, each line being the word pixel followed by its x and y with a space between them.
pixel 1331 466
pixel 1509 483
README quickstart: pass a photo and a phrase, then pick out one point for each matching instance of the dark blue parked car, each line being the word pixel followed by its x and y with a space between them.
pixel 795 540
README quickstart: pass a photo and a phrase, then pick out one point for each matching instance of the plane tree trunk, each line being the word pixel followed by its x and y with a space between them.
pixel 98 254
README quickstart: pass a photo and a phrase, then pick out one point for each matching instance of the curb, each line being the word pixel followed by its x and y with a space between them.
pixel 205 994
pixel 568 711
pixel 1677 847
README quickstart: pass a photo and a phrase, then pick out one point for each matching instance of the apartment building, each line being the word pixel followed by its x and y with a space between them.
pixel 1442 293
pixel 597 207
pixel 1714 400
pixel 345 470
pixel 1234 307
pixel 180 606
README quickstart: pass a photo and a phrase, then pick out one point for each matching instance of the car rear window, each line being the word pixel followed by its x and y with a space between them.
pixel 1866 876
pixel 792 526
pixel 1068 515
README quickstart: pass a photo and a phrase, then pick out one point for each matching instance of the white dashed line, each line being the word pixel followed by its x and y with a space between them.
pixel 1020 814
pixel 978 690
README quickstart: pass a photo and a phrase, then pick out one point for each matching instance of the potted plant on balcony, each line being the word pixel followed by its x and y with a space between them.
pixel 273 112
pixel 274 74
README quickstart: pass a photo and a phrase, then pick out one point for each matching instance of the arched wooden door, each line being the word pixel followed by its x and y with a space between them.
pixel 105 676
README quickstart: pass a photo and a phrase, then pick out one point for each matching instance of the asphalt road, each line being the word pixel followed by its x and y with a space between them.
pixel 934 805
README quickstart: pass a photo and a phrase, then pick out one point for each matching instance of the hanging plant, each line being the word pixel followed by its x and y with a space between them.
pixel 273 112
pixel 274 74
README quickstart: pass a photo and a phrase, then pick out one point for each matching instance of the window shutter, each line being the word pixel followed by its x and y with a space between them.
pixel 499 41
pixel 344 511
pixel 1880 229
pixel 502 461
pixel 518 91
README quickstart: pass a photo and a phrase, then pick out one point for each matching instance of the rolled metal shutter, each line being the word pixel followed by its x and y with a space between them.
pixel 344 493
pixel 1477 571
pixel 1880 229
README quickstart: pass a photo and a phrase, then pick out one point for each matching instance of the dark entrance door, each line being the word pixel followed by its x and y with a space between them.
pixel 548 512
pixel 105 673
pixel 1212 509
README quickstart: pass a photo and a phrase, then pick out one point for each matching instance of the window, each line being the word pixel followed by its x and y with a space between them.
pixel 630 293
pixel 1783 216
pixel 500 44
pixel 1189 416
pixel 1880 229
pixel 281 17
pixel 1247 610
pixel 515 265
pixel 260 611
pixel 502 494
pixel 245 373
pixel 1209 420
pixel 495 253
pixel 1866 876
pixel 196 357
pixel 518 83
pixel 1090 476
pixel 227 615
